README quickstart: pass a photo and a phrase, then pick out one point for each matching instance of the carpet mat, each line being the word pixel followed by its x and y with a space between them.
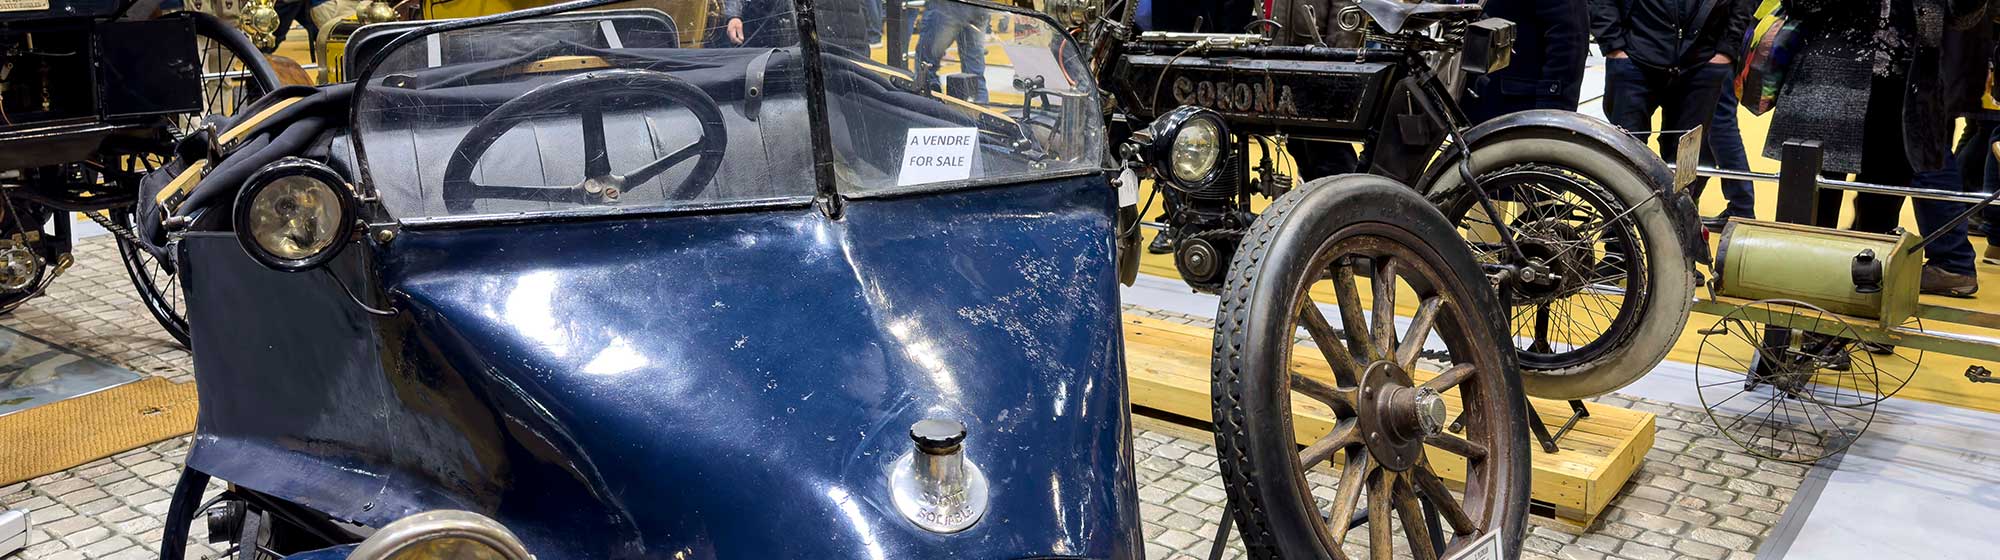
pixel 63 434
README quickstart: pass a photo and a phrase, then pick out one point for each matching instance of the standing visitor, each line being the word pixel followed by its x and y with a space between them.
pixel 1725 142
pixel 1848 88
pixel 1670 56
pixel 945 23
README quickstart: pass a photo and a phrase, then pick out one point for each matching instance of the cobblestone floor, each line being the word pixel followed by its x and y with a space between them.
pixel 1695 497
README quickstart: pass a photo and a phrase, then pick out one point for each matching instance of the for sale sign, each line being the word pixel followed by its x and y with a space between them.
pixel 23 5
pixel 933 155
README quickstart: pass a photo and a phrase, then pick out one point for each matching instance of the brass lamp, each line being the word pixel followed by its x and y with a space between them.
pixel 260 22
pixel 376 11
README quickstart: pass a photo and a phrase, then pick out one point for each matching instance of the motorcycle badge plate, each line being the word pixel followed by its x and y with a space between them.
pixel 1687 156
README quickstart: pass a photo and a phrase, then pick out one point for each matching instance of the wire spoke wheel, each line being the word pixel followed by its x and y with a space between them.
pixel 1789 381
pixel 1580 240
pixel 157 282
pixel 233 73
pixel 1338 449
pixel 226 84
pixel 1895 365
pixel 1601 276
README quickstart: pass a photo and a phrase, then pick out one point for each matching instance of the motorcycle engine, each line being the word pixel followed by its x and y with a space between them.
pixel 1203 257
pixel 1209 222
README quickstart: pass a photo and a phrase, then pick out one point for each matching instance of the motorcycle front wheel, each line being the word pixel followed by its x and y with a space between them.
pixel 1372 399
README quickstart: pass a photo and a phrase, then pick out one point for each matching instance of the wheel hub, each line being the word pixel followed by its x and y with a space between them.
pixel 18 266
pixel 1396 416
pixel 1557 249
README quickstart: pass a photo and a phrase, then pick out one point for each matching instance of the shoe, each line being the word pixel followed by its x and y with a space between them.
pixel 1715 224
pixel 1162 244
pixel 1992 255
pixel 1827 352
pixel 1937 281
pixel 1876 348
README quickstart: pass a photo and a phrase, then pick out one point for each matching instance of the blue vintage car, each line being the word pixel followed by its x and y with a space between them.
pixel 576 286
pixel 557 284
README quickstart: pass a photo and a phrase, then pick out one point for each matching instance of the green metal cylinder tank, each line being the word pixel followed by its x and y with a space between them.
pixel 1771 260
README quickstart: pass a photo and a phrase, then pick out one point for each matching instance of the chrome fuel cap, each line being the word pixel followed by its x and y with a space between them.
pixel 934 485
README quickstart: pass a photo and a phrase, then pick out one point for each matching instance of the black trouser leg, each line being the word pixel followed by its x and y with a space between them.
pixel 1630 95
pixel 1883 161
pixel 1690 102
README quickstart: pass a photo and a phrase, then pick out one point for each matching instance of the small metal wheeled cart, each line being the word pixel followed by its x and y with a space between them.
pixel 1818 325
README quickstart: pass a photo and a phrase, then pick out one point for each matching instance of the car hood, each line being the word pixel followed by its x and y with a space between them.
pixel 739 385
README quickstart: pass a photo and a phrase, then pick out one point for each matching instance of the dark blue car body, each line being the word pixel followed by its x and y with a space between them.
pixel 731 385
pixel 728 376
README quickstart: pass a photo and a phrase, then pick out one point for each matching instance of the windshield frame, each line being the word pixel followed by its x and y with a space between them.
pixel 827 194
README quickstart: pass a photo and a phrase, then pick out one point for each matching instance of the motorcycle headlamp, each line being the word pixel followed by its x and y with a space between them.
pixel 442 535
pixel 1197 148
pixel 1187 147
pixel 294 214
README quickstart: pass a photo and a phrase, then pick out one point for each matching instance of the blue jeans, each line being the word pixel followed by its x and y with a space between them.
pixel 1973 153
pixel 946 22
pixel 1951 251
pixel 876 16
pixel 1725 143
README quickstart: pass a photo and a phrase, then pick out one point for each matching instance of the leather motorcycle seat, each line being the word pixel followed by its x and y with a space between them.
pixel 1396 15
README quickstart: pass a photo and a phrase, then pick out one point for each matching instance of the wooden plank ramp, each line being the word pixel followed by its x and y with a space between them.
pixel 1168 366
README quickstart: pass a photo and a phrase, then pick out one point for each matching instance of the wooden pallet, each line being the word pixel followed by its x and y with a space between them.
pixel 1168 366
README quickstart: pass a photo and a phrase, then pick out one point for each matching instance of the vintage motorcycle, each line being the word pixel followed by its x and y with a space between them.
pixel 1585 231
pixel 538 283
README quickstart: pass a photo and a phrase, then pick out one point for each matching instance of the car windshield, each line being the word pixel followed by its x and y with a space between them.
pixel 612 110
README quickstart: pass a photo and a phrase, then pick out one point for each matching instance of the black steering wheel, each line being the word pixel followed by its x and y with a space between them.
pixel 587 94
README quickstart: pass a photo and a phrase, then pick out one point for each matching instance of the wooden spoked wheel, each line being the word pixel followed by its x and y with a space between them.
pixel 1367 483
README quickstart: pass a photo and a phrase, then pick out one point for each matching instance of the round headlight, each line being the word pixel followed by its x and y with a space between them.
pixel 442 535
pixel 293 214
pixel 1196 149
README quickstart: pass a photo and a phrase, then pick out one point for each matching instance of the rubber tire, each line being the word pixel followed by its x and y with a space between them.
pixel 1250 427
pixel 1665 311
